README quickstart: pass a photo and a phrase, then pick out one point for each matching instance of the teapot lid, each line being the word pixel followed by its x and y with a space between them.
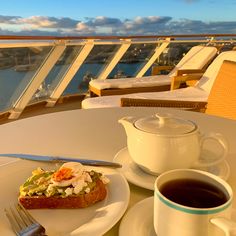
pixel 165 124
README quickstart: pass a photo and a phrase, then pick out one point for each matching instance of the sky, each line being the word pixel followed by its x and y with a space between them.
pixel 116 17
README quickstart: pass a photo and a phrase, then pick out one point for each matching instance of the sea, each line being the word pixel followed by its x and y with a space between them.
pixel 13 83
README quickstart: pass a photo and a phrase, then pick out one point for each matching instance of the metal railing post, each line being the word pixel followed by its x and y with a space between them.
pixel 36 81
pixel 157 53
pixel 122 50
pixel 70 73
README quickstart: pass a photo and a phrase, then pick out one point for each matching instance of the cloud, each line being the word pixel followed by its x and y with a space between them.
pixel 186 26
pixel 84 28
pixel 145 25
pixel 8 19
pixel 97 24
pixel 47 22
pixel 37 22
pixel 101 25
pixel 102 20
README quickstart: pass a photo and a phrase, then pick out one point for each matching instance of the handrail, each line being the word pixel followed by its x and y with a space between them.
pixel 28 37
pixel 80 48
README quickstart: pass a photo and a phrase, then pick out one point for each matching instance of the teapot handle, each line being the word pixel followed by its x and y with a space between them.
pixel 210 160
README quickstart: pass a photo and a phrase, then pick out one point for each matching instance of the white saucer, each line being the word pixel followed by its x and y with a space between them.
pixel 137 176
pixel 134 222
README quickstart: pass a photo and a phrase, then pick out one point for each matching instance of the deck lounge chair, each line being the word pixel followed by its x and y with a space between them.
pixel 198 93
pixel 197 58
pixel 221 100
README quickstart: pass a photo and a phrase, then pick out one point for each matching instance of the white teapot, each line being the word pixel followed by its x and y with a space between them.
pixel 162 142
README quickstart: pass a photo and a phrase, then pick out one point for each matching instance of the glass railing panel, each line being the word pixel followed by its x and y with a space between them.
pixel 17 68
pixel 21 60
pixel 228 46
pixel 96 61
pixel 173 54
pixel 175 51
pixel 133 60
pixel 57 73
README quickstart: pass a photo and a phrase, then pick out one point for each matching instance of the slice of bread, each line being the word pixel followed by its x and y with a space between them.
pixel 98 193
pixel 71 186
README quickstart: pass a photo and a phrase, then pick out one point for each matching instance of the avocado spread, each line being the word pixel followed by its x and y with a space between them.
pixel 70 179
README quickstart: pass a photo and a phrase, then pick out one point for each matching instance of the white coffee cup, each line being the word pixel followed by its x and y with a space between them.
pixel 172 218
pixel 160 143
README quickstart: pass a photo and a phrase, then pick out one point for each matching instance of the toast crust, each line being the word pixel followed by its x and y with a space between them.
pixel 98 193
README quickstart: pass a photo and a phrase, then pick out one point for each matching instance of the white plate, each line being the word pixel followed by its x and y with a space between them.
pixel 137 176
pixel 93 220
pixel 134 222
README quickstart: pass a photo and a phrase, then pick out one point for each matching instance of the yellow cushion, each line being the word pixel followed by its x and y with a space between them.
pixel 222 98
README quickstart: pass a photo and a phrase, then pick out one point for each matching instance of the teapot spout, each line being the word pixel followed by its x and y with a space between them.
pixel 127 123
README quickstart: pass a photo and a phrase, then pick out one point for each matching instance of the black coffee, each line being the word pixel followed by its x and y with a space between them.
pixel 193 193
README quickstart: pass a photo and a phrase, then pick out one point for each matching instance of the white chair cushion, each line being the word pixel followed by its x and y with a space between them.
pixel 185 94
pixel 147 81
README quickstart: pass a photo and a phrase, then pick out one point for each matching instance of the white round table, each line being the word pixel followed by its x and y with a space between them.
pixel 96 134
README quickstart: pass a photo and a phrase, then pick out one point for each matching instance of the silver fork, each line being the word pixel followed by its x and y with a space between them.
pixel 22 222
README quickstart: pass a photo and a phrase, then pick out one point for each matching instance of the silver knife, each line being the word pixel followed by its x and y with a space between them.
pixel 88 162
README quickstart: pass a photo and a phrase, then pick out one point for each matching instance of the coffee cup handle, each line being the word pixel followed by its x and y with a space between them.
pixel 227 225
pixel 205 161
